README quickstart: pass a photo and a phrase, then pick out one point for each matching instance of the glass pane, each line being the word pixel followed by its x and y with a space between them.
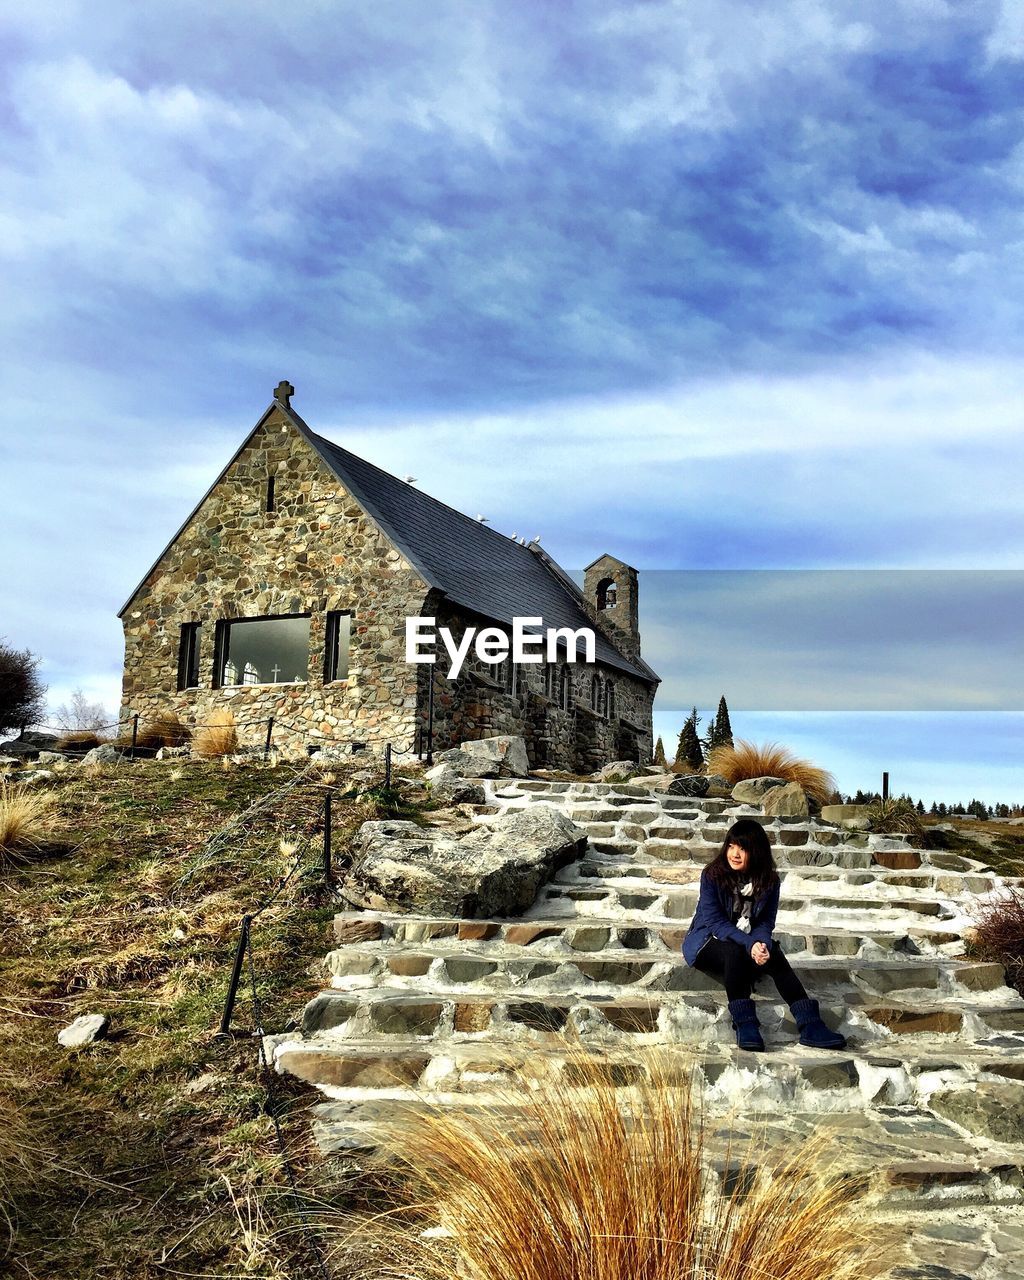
pixel 344 631
pixel 267 651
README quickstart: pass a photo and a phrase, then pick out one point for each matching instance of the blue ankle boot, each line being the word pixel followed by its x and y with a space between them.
pixel 746 1026
pixel 813 1032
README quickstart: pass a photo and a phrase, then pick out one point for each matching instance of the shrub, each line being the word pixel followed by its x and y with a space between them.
pixel 164 731
pixel 747 760
pixel 218 737
pixel 895 816
pixel 81 740
pixel 999 934
pixel 25 818
pixel 577 1180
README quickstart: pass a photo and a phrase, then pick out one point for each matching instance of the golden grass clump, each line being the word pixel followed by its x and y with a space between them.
pixel 78 740
pixel 25 819
pixel 218 737
pixel 571 1181
pixel 164 730
pixel 747 760
pixel 895 815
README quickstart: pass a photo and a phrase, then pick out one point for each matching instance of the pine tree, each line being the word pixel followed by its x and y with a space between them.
pixel 659 752
pixel 934 809
pixel 720 732
pixel 920 806
pixel 689 756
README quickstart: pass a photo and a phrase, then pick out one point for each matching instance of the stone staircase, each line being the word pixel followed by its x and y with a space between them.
pixel 929 1089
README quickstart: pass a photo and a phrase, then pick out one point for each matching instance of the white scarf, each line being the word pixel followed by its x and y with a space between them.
pixel 742 903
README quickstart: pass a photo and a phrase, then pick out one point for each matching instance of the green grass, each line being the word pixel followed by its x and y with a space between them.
pixel 152 1150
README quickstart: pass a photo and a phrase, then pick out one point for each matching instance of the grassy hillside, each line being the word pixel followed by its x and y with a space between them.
pixel 153 1153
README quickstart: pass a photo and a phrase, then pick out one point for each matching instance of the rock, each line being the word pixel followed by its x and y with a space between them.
pixel 507 751
pixel 37 775
pixel 28 746
pixel 491 871
pixel 675 784
pixel 852 816
pixel 620 770
pixel 449 785
pixel 750 790
pixel 105 754
pixel 463 764
pixel 988 1110
pixel 84 1030
pixel 173 753
pixel 787 801
pixel 50 757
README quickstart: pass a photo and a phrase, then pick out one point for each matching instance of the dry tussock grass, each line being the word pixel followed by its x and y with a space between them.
pixel 218 736
pixel 26 818
pixel 79 740
pixel 595 1183
pixel 163 731
pixel 999 933
pixel 748 760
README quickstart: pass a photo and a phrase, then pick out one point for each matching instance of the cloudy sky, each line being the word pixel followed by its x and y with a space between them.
pixel 711 285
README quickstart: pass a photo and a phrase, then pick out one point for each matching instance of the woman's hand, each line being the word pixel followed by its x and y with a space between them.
pixel 759 953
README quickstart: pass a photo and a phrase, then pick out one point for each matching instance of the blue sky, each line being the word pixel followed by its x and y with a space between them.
pixel 730 286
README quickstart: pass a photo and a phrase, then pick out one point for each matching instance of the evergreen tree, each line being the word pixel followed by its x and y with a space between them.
pixel 920 806
pixel 942 809
pixel 934 810
pixel 21 690
pixel 689 756
pixel 720 731
pixel 659 752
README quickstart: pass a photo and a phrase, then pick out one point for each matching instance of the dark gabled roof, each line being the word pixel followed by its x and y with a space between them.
pixel 474 566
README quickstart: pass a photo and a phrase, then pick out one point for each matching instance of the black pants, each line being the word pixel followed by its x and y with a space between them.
pixel 732 964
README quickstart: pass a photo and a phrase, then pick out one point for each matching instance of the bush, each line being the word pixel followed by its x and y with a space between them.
pixel 218 737
pixel 999 934
pixel 164 731
pixel 747 760
pixel 21 690
pixel 895 816
pixel 82 740
pixel 25 818
pixel 579 1180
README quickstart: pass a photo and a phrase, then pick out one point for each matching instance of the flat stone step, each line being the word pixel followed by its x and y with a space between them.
pixel 596 933
pixel 438 1012
pixel 495 965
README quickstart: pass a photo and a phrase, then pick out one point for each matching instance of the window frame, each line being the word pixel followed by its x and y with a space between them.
pixel 222 650
pixel 332 634
pixel 188 655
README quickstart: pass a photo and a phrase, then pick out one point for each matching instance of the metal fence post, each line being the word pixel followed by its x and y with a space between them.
pixel 135 733
pixel 236 974
pixel 270 730
pixel 327 835
pixel 885 785
pixel 387 765
pixel 430 717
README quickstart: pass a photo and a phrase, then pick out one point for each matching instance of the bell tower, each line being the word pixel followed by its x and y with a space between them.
pixel 612 589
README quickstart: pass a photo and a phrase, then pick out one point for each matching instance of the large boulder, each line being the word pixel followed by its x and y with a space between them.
pixel 990 1111
pixel 619 770
pixel 495 870
pixel 751 790
pixel 852 816
pixel 675 784
pixel 787 801
pixel 105 754
pixel 453 787
pixel 506 750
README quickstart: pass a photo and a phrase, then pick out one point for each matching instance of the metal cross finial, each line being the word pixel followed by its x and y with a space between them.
pixel 283 393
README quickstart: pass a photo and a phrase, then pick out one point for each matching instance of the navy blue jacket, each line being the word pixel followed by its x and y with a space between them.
pixel 713 918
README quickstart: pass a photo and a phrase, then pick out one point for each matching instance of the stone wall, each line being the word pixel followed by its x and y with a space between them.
pixel 317 551
pixel 478 705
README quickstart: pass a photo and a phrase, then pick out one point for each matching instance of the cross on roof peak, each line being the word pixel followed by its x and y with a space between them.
pixel 283 393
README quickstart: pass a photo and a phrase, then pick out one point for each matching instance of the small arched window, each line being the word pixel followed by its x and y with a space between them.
pixel 271 496
pixel 565 690
pixel 595 693
pixel 609 699
pixel 606 593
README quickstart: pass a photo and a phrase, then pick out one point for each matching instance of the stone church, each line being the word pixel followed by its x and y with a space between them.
pixel 285 594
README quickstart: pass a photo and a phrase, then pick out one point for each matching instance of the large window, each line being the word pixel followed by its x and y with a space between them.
pixel 188 656
pixel 262 651
pixel 336 644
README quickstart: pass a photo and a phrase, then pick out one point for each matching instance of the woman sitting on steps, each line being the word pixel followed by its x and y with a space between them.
pixel 730 937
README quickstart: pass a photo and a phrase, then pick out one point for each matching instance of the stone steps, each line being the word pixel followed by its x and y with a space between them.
pixel 440 1011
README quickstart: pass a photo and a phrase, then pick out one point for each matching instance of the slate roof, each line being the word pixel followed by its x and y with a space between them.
pixel 474 566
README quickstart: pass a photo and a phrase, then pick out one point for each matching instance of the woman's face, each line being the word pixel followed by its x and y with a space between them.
pixel 737 858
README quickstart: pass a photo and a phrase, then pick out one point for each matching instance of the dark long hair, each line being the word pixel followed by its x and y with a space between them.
pixel 749 835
